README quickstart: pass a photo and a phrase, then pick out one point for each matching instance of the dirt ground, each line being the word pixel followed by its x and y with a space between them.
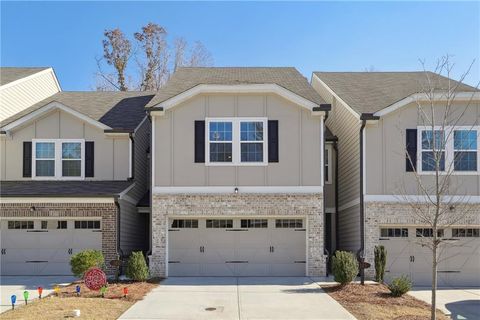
pixel 374 302
pixel 90 303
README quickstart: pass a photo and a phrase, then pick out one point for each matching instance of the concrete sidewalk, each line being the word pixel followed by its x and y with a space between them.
pixel 10 285
pixel 237 298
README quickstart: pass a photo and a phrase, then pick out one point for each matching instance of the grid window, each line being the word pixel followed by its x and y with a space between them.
pixel 45 159
pixel 433 149
pixel 428 233
pixel 87 224
pixel 62 224
pixel 44 224
pixel 289 223
pixel 219 223
pixel 254 223
pixel 71 159
pixel 466 232
pixel 185 223
pixel 58 159
pixel 465 150
pixel 394 232
pixel 22 224
pixel 251 137
pixel 221 139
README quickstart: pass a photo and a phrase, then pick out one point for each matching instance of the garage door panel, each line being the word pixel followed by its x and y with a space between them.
pixel 287 269
pixel 252 269
pixel 181 269
pixel 218 269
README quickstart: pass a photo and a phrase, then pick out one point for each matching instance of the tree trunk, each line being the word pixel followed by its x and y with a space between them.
pixel 434 283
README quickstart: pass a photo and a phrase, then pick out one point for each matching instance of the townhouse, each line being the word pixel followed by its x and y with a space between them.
pixel 376 118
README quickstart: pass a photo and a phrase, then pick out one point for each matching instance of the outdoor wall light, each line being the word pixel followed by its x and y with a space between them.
pixel 236 190
pixel 32 208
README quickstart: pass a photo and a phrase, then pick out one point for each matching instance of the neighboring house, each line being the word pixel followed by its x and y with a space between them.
pixel 72 169
pixel 237 174
pixel 21 88
pixel 375 116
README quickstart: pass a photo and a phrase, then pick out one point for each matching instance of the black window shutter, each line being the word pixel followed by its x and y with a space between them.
pixel 89 158
pixel 199 141
pixel 411 146
pixel 27 159
pixel 272 140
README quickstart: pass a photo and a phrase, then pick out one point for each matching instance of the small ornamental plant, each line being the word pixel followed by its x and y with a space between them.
pixel 85 260
pixel 399 286
pixel 137 267
pixel 345 267
pixel 380 261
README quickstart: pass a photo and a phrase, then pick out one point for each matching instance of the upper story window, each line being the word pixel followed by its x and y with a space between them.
pixel 457 149
pixel 58 159
pixel 328 164
pixel 236 141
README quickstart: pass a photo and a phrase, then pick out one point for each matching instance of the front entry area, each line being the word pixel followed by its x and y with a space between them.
pixel 237 247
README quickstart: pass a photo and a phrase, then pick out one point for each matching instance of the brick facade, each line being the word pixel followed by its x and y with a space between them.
pixel 379 214
pixel 220 205
pixel 106 211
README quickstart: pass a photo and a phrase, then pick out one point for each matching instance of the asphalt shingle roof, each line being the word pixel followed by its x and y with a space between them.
pixel 10 74
pixel 118 110
pixel 369 92
pixel 186 78
pixel 62 188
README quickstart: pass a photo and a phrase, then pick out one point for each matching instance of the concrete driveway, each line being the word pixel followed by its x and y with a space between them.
pixel 459 303
pixel 10 285
pixel 237 298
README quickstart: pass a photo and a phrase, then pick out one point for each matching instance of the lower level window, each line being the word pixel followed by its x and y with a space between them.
pixel 87 224
pixel 428 232
pixel 466 233
pixel 20 224
pixel 219 223
pixel 185 223
pixel 288 223
pixel 394 232
pixel 254 223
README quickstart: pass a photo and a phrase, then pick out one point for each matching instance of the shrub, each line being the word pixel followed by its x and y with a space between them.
pixel 85 260
pixel 345 267
pixel 137 267
pixel 399 286
pixel 380 262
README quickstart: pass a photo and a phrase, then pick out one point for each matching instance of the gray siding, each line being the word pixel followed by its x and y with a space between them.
pixel 132 228
pixel 349 229
pixel 329 188
pixel 299 137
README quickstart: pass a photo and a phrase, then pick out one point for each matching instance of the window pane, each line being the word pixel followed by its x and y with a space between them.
pixel 45 168
pixel 220 131
pixel 45 150
pixel 71 150
pixel 428 161
pixel 465 161
pixel 465 139
pixel 251 131
pixel 252 152
pixel 44 224
pixel 220 152
pixel 427 140
pixel 71 168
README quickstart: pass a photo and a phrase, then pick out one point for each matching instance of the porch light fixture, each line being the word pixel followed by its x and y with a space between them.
pixel 32 208
pixel 236 190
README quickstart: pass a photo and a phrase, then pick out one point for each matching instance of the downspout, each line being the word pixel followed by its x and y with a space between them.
pixel 132 156
pixel 325 250
pixel 119 249
pixel 337 237
pixel 361 251
pixel 149 252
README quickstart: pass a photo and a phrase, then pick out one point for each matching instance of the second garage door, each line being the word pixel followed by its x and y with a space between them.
pixel 236 247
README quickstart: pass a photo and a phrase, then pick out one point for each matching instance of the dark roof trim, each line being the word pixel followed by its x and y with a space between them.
pixel 323 107
pixel 3 132
pixel 154 108
pixel 118 131
pixel 368 116
pixel 334 138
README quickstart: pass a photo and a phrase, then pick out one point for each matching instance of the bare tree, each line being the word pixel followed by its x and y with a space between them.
pixel 180 46
pixel 440 203
pixel 116 51
pixel 200 56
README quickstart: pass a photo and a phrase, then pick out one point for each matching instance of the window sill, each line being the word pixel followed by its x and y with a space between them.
pixel 245 164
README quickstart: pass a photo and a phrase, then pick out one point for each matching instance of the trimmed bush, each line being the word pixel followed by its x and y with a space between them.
pixel 84 260
pixel 380 262
pixel 344 267
pixel 399 286
pixel 137 267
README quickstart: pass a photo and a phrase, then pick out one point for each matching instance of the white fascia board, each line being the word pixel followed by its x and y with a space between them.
pixel 48 70
pixel 139 125
pixel 460 96
pixel 241 88
pixel 49 107
pixel 353 112
pixel 231 190
pixel 421 198
pixel 56 200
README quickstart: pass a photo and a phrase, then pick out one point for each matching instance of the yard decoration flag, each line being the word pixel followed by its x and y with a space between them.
pixel 95 279
pixel 25 296
pixel 40 290
pixel 125 292
pixel 103 290
pixel 57 290
pixel 13 298
pixel 77 290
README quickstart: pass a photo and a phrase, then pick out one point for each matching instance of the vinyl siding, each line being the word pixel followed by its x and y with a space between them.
pixel 19 96
pixel 132 228
pixel 349 229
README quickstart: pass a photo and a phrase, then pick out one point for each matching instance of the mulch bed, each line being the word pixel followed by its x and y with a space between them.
pixel 373 301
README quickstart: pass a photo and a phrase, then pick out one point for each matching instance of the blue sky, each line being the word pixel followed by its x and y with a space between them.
pixel 312 36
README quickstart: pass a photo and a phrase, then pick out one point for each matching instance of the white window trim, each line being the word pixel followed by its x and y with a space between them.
pixel 449 150
pixel 58 159
pixel 328 178
pixel 236 143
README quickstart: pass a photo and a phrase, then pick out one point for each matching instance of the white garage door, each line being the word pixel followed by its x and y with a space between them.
pixel 236 247
pixel 44 247
pixel 459 257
